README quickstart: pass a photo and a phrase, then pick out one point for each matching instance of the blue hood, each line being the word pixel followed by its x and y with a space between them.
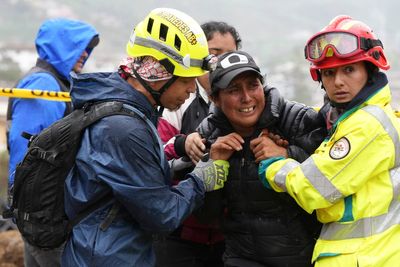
pixel 61 42
pixel 106 86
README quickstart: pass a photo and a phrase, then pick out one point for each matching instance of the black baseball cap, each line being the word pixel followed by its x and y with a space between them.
pixel 230 65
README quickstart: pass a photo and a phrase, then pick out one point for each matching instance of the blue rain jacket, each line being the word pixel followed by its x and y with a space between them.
pixel 120 156
pixel 59 42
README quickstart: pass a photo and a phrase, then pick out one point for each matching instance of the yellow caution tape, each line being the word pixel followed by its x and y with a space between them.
pixel 35 93
pixel 57 96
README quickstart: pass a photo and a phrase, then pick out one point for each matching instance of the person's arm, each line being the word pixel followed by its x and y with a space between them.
pixel 304 129
pixel 128 162
pixel 268 145
pixel 167 134
pixel 339 167
pixel 194 144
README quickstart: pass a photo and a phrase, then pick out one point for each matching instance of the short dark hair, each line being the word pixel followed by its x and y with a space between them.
pixel 212 27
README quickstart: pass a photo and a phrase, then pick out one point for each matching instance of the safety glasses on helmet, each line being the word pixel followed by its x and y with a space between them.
pixel 343 44
pixel 210 62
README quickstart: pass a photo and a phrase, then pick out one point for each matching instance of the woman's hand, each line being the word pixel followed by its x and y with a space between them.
pixel 268 145
pixel 224 146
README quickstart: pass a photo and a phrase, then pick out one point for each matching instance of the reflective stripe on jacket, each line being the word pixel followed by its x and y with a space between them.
pixel 352 181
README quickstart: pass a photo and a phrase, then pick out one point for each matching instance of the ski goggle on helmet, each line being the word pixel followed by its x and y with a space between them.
pixel 344 41
pixel 175 39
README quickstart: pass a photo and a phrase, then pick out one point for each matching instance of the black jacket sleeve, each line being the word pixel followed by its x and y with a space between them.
pixel 304 128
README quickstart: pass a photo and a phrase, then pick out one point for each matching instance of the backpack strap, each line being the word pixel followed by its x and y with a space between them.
pixel 108 108
pixel 110 216
pixel 89 209
pixel 98 111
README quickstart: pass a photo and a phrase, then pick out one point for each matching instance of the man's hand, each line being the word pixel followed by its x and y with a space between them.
pixel 268 145
pixel 194 147
pixel 213 173
pixel 224 146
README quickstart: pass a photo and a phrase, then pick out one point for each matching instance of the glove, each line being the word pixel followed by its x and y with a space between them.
pixel 213 173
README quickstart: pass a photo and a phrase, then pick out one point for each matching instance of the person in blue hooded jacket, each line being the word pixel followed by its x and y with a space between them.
pixel 63 46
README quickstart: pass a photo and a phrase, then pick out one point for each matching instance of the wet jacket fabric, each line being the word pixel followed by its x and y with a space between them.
pixel 263 227
pixel 352 182
pixel 119 156
pixel 59 44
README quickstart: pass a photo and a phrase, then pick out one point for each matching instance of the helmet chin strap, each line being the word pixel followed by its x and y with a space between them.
pixel 155 94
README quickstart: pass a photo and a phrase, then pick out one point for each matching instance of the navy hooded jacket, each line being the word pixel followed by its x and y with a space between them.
pixel 119 156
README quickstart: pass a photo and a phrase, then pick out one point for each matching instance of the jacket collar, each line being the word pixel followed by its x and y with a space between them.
pixel 380 80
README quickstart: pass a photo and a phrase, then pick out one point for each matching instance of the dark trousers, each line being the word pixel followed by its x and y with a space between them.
pixel 174 252
pixel 37 257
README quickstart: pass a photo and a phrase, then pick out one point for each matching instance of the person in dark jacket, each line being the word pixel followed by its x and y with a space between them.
pixel 193 243
pixel 261 228
pixel 122 156
pixel 63 46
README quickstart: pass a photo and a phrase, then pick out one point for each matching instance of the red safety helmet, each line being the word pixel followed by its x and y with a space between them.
pixel 344 41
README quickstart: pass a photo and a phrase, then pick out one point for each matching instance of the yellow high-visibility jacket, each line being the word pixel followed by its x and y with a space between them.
pixel 352 181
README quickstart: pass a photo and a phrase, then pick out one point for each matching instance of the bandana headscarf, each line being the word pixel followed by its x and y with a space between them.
pixel 147 67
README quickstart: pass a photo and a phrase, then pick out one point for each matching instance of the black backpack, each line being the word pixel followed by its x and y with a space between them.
pixel 38 194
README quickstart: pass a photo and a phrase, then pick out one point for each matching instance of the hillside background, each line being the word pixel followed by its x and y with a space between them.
pixel 273 31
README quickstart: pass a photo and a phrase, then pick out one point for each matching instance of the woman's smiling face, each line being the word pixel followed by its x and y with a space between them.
pixel 242 102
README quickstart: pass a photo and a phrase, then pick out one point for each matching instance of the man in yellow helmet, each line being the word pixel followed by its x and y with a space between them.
pixel 122 156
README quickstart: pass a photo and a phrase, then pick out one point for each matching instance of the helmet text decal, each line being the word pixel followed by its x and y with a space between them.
pixel 182 26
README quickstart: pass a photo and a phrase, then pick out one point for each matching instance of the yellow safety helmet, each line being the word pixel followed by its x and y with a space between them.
pixel 175 39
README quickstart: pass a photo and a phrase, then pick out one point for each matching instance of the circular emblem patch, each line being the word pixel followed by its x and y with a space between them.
pixel 340 149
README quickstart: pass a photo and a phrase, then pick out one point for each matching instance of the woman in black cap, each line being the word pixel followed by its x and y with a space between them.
pixel 262 228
